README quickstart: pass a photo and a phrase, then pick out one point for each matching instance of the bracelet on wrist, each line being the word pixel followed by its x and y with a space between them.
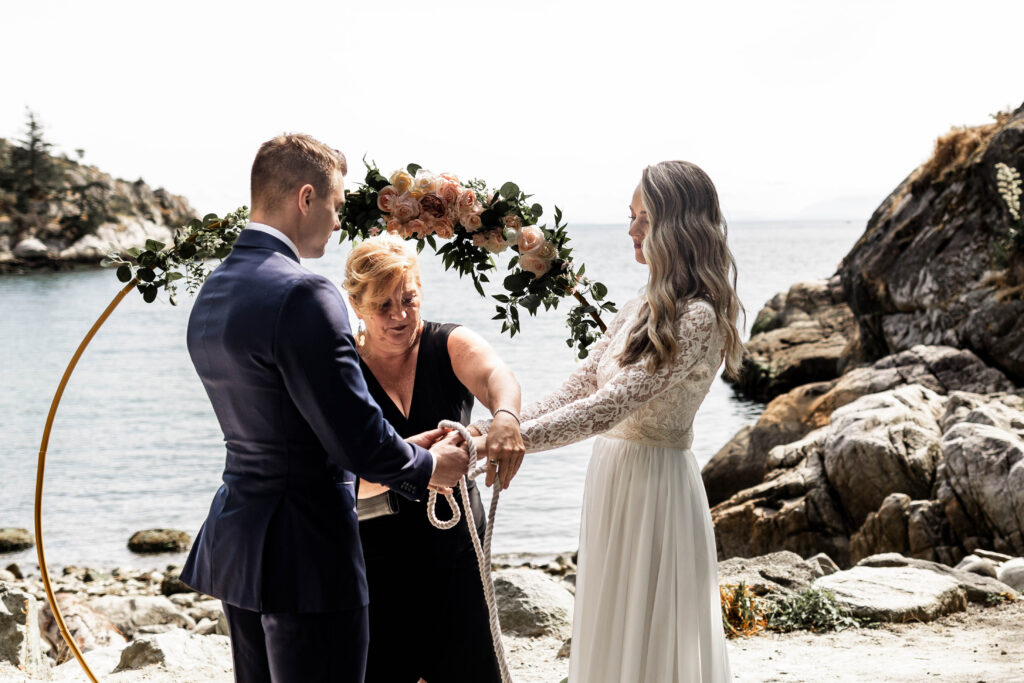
pixel 506 410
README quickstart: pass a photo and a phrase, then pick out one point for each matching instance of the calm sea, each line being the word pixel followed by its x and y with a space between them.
pixel 135 444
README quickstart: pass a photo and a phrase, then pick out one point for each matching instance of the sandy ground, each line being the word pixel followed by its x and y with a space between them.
pixel 982 645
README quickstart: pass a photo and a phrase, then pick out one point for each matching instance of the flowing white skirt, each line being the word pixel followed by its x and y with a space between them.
pixel 647 603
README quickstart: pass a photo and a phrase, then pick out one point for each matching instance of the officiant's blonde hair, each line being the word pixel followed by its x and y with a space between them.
pixel 286 163
pixel 375 266
pixel 689 259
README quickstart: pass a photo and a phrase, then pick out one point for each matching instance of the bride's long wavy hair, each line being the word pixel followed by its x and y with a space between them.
pixel 689 259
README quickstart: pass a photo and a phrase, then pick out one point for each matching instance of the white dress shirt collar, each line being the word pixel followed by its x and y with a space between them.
pixel 274 232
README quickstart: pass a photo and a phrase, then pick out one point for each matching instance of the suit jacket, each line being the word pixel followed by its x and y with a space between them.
pixel 272 345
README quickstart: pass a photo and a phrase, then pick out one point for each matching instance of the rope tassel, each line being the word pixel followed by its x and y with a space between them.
pixel 483 550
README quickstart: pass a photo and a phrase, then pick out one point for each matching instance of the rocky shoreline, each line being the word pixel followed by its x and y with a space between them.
pixel 137 625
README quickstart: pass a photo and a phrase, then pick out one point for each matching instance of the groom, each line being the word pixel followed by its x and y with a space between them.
pixel 271 343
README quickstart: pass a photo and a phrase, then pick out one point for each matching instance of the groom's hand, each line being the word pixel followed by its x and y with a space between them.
pixel 452 460
pixel 504 449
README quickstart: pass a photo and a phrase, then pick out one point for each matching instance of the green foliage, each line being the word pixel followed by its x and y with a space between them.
pixel 28 172
pixel 470 253
pixel 163 266
pixel 812 609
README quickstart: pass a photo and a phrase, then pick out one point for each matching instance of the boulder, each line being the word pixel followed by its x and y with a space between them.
pixel 159 541
pixel 20 644
pixel 532 603
pixel 90 629
pixel 1011 573
pixel 797 338
pixel 977 588
pixel 13 540
pixel 977 565
pixel 197 657
pixel 822 564
pixel 896 594
pixel 173 585
pixel 31 248
pixel 132 614
pixel 782 573
pixel 15 570
pixel 882 444
pixel 981 481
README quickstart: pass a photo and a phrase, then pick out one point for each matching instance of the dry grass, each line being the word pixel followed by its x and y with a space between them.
pixel 955 150
pixel 743 612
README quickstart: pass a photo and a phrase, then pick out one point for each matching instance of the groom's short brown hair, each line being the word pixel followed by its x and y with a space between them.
pixel 290 161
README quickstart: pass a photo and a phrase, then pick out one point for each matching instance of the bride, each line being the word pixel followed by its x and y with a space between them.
pixel 647 603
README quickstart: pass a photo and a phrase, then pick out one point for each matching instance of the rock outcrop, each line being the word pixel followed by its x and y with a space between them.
pixel 86 215
pixel 929 268
pixel 905 470
pixel 798 337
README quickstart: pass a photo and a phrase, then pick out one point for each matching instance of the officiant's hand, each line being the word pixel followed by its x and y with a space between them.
pixel 505 449
pixel 452 460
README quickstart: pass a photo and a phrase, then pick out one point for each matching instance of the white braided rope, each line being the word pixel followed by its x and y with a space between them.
pixel 483 551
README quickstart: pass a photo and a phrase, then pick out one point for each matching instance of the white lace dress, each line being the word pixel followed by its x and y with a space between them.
pixel 647 604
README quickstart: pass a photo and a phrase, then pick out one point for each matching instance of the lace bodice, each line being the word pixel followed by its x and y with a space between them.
pixel 626 402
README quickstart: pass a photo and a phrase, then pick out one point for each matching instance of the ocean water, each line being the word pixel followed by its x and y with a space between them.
pixel 135 443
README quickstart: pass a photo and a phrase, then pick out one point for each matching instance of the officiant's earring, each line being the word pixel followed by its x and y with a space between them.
pixel 361 333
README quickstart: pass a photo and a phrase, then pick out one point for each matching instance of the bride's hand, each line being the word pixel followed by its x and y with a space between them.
pixel 481 446
pixel 505 449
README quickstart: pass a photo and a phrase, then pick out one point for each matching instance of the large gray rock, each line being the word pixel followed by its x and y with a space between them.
pixel 13 540
pixel 532 603
pixel 882 444
pixel 981 481
pixel 1011 573
pixel 978 588
pixel 132 614
pixel 179 651
pixel 895 593
pixel 782 573
pixel 20 644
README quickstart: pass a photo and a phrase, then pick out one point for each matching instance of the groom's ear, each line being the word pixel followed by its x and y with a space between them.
pixel 305 198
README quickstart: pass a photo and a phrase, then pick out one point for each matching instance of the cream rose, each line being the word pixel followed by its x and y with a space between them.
pixel 386 198
pixel 406 207
pixel 401 180
pixel 425 181
pixel 530 238
pixel 467 198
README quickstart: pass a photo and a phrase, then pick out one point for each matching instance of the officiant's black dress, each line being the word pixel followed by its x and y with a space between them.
pixel 428 616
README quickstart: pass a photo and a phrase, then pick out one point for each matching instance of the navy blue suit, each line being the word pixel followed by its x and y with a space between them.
pixel 272 345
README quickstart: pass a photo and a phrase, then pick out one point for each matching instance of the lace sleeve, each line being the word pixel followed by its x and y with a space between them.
pixel 629 388
pixel 580 384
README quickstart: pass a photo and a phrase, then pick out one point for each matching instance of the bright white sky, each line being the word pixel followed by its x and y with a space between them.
pixel 812 109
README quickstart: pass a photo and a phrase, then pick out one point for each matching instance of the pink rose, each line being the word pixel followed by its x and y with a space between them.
pixel 514 222
pixel 467 198
pixel 449 192
pixel 395 225
pixel 490 240
pixel 406 207
pixel 416 228
pixel 532 263
pixel 432 205
pixel 443 228
pixel 386 198
pixel 530 238
pixel 471 221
